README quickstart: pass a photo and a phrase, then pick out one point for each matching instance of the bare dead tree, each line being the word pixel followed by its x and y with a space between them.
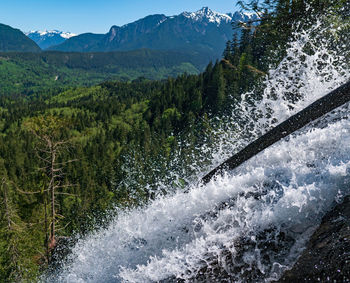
pixel 51 146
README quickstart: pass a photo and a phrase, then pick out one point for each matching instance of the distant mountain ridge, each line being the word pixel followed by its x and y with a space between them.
pixel 49 38
pixel 204 31
pixel 13 40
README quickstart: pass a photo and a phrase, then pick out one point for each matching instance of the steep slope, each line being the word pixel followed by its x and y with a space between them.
pixel 46 38
pixel 14 40
pixel 204 31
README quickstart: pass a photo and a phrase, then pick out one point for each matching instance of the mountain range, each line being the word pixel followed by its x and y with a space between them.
pixel 191 39
pixel 204 31
pixel 45 39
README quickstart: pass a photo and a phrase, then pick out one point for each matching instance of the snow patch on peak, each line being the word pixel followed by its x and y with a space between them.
pixel 67 35
pixel 50 33
pixel 162 21
pixel 243 17
pixel 206 14
pixel 250 16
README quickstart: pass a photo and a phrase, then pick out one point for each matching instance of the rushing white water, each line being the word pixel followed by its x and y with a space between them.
pixel 251 223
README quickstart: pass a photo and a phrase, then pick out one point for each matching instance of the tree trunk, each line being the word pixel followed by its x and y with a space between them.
pixel 52 188
pixel 314 111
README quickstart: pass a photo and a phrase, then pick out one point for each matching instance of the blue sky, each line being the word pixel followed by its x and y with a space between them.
pixel 97 16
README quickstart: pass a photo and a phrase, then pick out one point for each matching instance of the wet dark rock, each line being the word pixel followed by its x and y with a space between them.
pixel 272 244
pixel 325 259
pixel 327 255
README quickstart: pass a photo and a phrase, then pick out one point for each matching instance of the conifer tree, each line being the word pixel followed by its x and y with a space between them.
pixel 11 229
pixel 16 245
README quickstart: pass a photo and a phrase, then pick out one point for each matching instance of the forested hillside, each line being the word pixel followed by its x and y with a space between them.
pixel 65 152
pixel 14 40
pixel 28 73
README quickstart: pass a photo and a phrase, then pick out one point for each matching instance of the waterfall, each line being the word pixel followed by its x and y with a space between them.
pixel 252 223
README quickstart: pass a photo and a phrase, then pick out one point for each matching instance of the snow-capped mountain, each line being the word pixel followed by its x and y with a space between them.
pixel 205 32
pixel 205 14
pixel 49 38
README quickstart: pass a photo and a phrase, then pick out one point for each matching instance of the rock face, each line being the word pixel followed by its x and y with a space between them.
pixel 327 255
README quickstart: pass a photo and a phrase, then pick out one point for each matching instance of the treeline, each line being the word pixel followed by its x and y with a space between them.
pixel 65 154
pixel 141 58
